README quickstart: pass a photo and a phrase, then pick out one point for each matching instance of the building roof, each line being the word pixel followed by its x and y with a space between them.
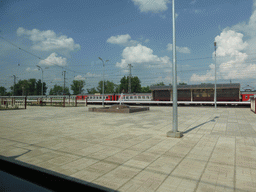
pixel 200 86
pixel 248 92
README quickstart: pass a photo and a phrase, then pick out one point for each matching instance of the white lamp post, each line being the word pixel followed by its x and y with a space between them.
pixel 103 81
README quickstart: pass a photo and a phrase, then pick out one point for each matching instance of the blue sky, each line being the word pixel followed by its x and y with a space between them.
pixel 71 35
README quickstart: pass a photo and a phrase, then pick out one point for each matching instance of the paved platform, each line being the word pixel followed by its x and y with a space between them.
pixel 130 152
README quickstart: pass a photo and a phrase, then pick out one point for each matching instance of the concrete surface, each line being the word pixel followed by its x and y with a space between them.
pixel 131 152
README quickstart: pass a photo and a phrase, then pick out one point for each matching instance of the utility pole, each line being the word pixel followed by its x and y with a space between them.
pixel 14 85
pixel 64 72
pixel 215 87
pixel 130 77
pixel 103 81
pixel 42 91
pixel 174 133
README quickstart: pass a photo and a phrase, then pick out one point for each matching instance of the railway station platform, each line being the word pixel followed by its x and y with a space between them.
pixel 130 152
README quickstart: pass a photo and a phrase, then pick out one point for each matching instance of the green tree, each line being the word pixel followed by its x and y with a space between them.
pixel 109 87
pixel 2 91
pixel 77 86
pixel 182 83
pixel 32 87
pixel 58 90
pixel 158 84
pixel 38 88
pixel 145 89
pixel 29 87
pixel 21 88
pixel 92 90
pixel 135 84
pixel 124 84
pixel 8 94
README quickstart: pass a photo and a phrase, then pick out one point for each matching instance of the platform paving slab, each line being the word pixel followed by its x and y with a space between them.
pixel 131 152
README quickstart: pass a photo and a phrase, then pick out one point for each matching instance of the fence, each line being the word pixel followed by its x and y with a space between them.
pixel 58 101
pixel 13 102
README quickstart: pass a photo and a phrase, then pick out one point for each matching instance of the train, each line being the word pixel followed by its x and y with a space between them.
pixel 187 93
pixel 116 97
pixel 243 97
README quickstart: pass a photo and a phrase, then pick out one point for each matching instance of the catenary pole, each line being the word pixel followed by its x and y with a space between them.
pixel 174 132
pixel 42 89
pixel 14 82
pixel 175 111
pixel 130 76
pixel 103 81
pixel 215 87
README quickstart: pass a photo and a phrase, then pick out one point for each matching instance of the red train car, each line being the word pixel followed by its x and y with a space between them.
pixel 245 95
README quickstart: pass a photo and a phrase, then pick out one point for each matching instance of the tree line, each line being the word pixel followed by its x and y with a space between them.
pixel 34 87
pixel 110 87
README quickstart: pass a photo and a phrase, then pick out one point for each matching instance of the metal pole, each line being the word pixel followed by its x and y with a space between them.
pixel 42 90
pixel 130 76
pixel 14 84
pixel 103 86
pixel 42 82
pixel 64 82
pixel 103 81
pixel 215 87
pixel 174 132
pixel 175 118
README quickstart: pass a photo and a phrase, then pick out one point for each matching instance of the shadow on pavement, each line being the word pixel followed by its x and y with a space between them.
pixel 213 120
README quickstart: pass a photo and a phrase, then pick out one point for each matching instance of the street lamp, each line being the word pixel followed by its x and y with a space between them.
pixel 103 81
pixel 42 79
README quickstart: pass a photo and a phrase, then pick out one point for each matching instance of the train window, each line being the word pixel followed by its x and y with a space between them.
pixel 100 97
pixel 130 97
pixel 143 97
pixel 139 97
pixel 135 97
pixel 246 97
pixel 126 97
pixel 147 97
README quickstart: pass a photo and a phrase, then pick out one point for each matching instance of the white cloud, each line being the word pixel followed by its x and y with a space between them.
pixel 29 69
pixel 197 11
pixel 193 2
pixel 57 79
pixel 231 62
pixel 167 80
pixel 141 55
pixel 151 5
pixel 119 39
pixel 178 49
pixel 209 76
pixel 92 75
pixel 48 40
pixel 230 43
pixel 54 60
pixel 79 77
pixel 124 40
